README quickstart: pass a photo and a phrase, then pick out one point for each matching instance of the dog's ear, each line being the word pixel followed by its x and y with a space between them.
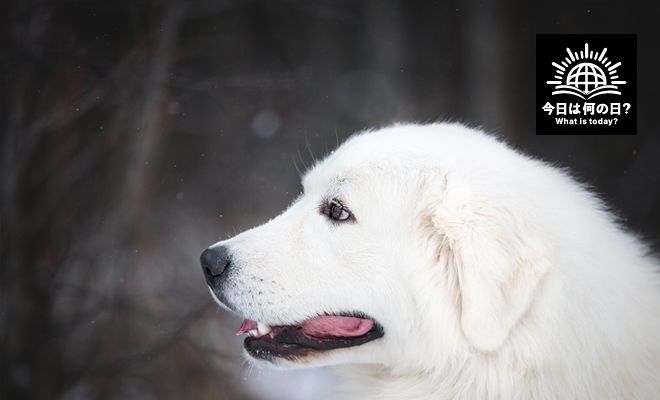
pixel 498 260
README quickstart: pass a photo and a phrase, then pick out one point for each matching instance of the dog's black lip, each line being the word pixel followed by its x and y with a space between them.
pixel 290 342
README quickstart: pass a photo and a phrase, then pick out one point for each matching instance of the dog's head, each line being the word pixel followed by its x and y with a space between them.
pixel 404 240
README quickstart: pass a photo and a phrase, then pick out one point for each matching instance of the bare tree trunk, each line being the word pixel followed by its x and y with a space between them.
pixel 147 129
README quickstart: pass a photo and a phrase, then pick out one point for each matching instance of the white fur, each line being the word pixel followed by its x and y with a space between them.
pixel 494 275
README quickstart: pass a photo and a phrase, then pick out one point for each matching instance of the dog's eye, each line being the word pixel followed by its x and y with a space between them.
pixel 336 211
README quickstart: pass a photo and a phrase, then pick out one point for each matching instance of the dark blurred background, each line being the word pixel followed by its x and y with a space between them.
pixel 136 133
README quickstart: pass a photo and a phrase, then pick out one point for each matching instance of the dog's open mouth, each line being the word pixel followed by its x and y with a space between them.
pixel 311 335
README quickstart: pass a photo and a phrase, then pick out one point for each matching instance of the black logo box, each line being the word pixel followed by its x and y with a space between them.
pixel 620 48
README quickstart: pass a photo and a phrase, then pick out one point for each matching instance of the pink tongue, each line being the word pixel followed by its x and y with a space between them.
pixel 334 326
pixel 246 326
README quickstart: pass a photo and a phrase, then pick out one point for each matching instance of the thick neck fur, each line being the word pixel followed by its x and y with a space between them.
pixel 620 375
pixel 590 346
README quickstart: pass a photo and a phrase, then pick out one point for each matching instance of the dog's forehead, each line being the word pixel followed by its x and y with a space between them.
pixel 402 149
pixel 323 177
pixel 348 165
pixel 361 156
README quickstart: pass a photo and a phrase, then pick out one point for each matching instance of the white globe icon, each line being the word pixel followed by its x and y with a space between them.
pixel 586 77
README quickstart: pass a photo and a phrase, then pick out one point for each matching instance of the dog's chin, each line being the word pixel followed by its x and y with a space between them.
pixel 308 340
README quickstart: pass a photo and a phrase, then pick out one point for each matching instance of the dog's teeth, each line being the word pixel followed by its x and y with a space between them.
pixel 263 328
pixel 252 332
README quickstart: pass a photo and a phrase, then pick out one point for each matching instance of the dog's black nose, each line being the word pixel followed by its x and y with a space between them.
pixel 215 261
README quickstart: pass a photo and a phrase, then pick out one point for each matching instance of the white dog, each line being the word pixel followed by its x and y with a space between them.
pixel 434 262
